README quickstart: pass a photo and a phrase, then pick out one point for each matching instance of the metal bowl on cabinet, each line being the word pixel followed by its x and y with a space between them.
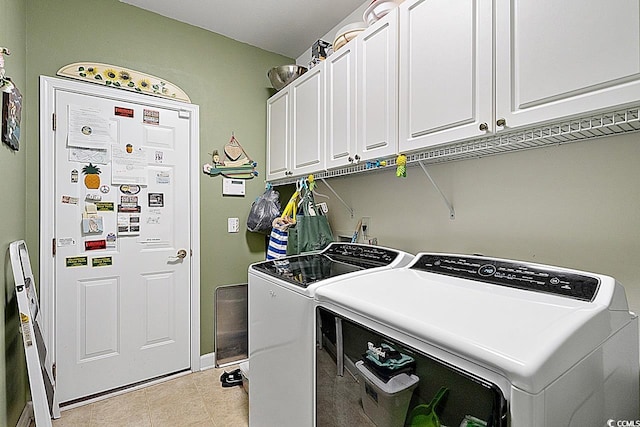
pixel 284 74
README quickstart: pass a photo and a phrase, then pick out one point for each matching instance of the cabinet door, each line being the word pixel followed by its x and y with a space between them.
pixel 340 90
pixel 278 135
pixel 307 122
pixel 446 71
pixel 562 58
pixel 377 62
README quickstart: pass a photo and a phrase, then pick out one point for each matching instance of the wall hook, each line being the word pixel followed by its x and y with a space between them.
pixel 3 51
pixel 5 82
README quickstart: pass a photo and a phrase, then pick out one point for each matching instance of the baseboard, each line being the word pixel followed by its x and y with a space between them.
pixel 27 416
pixel 207 361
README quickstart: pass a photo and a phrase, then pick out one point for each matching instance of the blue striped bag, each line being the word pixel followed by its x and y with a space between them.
pixel 277 242
pixel 279 236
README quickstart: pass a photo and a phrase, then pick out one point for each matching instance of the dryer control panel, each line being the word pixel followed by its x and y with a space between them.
pixel 512 274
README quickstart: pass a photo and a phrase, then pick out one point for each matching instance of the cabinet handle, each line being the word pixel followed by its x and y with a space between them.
pixel 350 159
pixel 484 127
pixel 501 122
pixel 357 158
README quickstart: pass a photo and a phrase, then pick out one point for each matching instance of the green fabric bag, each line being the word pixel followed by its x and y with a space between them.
pixel 311 231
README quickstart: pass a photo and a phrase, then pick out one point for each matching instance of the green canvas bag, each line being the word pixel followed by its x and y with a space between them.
pixel 311 231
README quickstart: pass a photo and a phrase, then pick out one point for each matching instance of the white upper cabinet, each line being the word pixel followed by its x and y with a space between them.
pixel 435 72
pixel 562 58
pixel 340 87
pixel 362 96
pixel 295 127
pixel 446 79
pixel 377 88
pixel 307 122
pixel 278 136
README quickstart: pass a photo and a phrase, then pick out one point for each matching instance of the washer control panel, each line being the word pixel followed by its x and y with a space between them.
pixel 362 252
pixel 512 274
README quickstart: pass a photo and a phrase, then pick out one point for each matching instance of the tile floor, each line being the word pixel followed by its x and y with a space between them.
pixel 199 400
pixel 339 402
pixel 195 399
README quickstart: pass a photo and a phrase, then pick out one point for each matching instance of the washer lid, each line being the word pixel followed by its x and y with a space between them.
pixel 335 260
pixel 304 270
pixel 529 337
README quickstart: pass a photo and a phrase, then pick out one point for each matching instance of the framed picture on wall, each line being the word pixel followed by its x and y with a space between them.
pixel 11 114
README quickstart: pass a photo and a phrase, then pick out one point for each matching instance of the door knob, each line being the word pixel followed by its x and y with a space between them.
pixel 182 254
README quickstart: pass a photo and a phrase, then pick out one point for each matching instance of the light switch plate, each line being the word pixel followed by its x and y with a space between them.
pixel 233 225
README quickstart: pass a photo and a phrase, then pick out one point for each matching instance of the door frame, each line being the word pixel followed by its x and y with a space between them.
pixel 48 88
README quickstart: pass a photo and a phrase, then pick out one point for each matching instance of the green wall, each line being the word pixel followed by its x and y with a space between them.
pixel 226 78
pixel 13 379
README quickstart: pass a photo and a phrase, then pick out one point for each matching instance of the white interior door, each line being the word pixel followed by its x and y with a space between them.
pixel 122 265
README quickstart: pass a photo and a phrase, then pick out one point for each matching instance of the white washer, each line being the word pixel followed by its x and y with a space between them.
pixel 282 326
pixel 558 346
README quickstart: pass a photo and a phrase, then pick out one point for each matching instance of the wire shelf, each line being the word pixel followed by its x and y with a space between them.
pixel 571 130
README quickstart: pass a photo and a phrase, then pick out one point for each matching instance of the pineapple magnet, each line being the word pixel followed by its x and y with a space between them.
pixel 92 176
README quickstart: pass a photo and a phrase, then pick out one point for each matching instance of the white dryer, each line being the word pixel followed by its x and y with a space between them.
pixel 538 345
pixel 282 325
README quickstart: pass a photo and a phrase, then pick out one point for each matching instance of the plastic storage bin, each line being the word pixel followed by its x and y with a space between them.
pixel 386 404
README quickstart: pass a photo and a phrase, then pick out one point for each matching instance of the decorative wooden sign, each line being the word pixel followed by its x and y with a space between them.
pixel 123 78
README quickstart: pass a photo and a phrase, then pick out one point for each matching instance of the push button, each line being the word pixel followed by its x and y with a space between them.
pixel 487 270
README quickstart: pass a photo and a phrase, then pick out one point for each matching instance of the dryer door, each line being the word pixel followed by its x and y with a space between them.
pixel 386 383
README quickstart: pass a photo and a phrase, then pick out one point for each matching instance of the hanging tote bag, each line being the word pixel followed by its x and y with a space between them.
pixel 311 231
pixel 279 236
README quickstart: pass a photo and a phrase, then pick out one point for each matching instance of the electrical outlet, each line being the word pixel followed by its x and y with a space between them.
pixel 323 207
pixel 233 225
pixel 366 225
